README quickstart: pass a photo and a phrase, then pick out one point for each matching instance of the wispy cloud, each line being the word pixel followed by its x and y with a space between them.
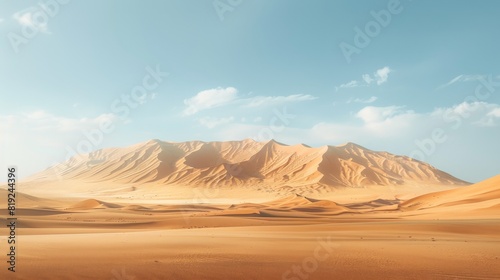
pixel 212 98
pixel 361 100
pixel 208 99
pixel 350 84
pixel 379 77
pixel 25 18
pixel 463 78
pixel 273 100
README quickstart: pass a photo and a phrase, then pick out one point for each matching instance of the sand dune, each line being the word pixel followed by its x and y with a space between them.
pixel 304 204
pixel 93 204
pixel 479 199
pixel 290 206
pixel 30 201
pixel 245 163
pixel 135 207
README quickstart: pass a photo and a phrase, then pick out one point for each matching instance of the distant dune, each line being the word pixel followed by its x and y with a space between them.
pixel 247 163
pixel 92 204
pixel 482 198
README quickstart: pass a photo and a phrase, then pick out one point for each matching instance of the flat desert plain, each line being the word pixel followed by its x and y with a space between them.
pixel 453 234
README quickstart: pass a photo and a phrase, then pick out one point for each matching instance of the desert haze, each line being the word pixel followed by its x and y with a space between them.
pixel 254 210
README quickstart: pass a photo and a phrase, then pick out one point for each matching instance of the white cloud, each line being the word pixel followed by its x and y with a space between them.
pixel 361 100
pixel 273 100
pixel 382 75
pixel 495 113
pixel 208 99
pixel 367 79
pixel 210 122
pixel 492 118
pixel 465 108
pixel 378 77
pixel 371 114
pixel 403 126
pixel 25 18
pixel 479 114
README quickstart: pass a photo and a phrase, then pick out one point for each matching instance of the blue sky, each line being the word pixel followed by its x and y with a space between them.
pixel 424 82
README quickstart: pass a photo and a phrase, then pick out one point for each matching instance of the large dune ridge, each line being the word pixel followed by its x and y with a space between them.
pixel 246 163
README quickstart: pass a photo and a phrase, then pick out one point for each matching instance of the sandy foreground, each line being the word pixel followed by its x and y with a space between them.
pixel 294 237
pixel 347 249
